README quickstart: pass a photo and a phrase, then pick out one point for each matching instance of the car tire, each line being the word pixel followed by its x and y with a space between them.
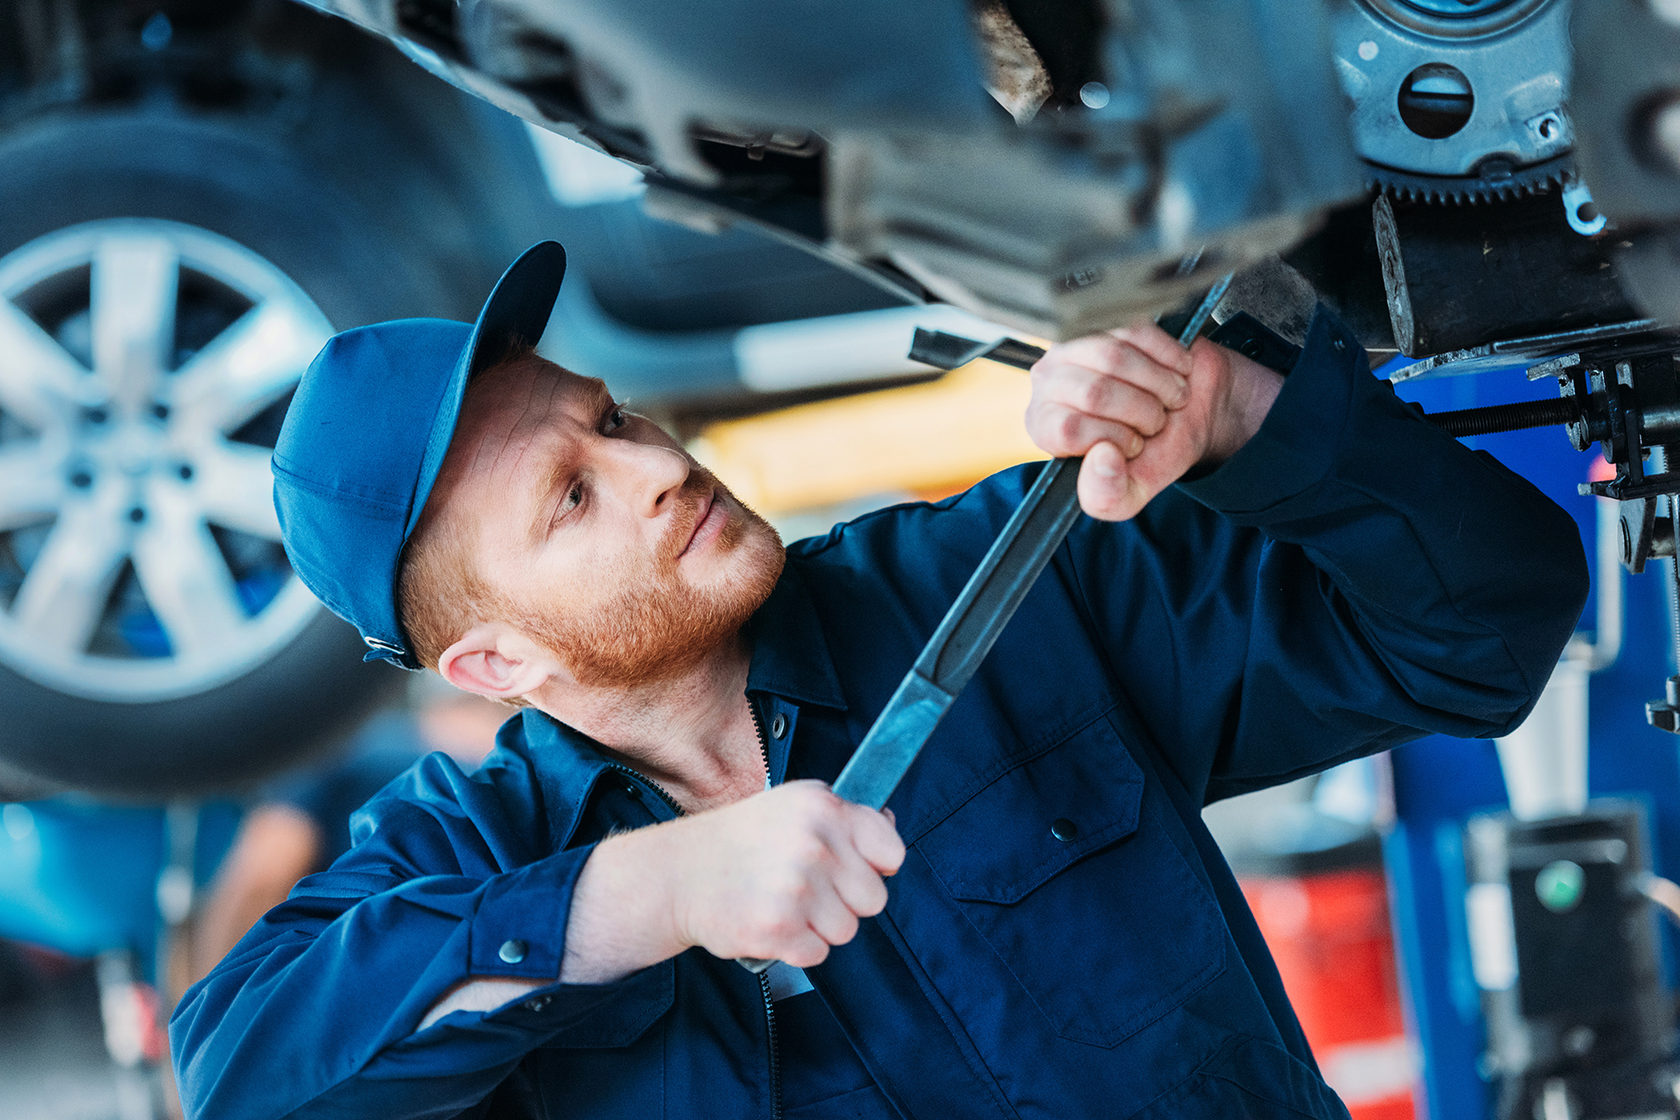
pixel 147 706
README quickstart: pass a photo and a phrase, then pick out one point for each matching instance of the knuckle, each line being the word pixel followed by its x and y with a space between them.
pixel 782 925
pixel 1091 395
pixel 798 889
pixel 807 955
pixel 1065 427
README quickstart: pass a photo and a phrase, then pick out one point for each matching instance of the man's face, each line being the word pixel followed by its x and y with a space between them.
pixel 597 535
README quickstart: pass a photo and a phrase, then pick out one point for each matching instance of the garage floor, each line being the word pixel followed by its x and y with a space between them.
pixel 53 1064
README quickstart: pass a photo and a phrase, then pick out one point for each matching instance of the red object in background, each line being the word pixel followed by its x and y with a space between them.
pixel 1330 934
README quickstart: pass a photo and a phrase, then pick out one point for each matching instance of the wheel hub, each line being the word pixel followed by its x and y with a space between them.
pixel 139 552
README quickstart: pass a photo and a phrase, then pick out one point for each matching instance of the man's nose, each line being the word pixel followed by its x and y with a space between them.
pixel 648 476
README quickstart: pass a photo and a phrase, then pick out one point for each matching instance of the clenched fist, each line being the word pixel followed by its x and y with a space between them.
pixel 1143 410
pixel 782 875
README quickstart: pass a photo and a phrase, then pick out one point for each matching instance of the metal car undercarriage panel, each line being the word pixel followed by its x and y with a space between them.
pixel 1214 129
pixel 1135 147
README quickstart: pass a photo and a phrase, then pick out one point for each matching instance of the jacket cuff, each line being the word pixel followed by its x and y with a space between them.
pixel 519 930
pixel 1300 440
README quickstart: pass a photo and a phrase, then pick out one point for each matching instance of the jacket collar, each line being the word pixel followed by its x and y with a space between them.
pixel 790 655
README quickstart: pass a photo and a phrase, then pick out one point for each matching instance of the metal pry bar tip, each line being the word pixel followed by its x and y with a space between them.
pixel 948 351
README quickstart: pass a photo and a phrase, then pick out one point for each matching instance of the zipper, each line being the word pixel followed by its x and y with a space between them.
pixel 763 977
pixel 651 784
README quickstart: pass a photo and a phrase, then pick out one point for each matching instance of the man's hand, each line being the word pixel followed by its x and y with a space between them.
pixel 783 875
pixel 1143 410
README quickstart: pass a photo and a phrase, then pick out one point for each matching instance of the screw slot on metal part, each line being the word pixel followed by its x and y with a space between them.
pixel 161 411
pixel 185 471
pixel 137 515
pixel 1436 101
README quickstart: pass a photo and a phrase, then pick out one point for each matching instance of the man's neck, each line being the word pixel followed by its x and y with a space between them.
pixel 693 734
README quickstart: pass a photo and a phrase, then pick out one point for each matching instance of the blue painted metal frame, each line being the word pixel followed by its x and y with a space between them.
pixel 80 876
pixel 1439 782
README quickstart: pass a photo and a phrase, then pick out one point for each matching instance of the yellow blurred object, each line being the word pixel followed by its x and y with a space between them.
pixel 925 440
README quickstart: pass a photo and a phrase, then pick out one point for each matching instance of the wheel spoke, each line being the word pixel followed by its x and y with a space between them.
pixel 133 311
pixel 32 484
pixel 234 488
pixel 248 367
pixel 64 594
pixel 184 576
pixel 38 377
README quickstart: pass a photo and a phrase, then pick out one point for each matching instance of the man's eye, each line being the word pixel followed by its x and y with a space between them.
pixel 573 498
pixel 617 418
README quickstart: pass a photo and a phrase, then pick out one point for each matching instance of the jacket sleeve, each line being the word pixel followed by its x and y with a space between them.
pixel 1350 579
pixel 314 1013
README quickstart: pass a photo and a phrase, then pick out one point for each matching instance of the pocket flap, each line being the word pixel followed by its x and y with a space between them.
pixel 1038 818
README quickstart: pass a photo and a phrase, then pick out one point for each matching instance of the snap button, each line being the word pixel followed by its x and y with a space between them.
pixel 778 726
pixel 512 950
pixel 1063 829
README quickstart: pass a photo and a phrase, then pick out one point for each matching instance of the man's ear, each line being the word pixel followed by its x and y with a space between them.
pixel 494 660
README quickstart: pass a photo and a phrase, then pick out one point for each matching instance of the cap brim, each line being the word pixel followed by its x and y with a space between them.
pixel 516 312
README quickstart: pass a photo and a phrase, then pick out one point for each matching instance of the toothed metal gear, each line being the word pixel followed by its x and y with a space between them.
pixel 1458 102
pixel 1493 185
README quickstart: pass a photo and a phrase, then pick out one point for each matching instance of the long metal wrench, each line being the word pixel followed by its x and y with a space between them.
pixel 967 632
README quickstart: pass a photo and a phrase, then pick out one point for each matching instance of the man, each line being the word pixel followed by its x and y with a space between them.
pixel 555 934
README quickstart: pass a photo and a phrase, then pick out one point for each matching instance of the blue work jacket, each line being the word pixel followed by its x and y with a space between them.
pixel 1064 939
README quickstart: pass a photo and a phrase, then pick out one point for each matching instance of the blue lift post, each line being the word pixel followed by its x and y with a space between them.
pixel 1440 782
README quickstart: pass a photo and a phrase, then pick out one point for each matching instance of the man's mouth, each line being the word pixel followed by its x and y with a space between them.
pixel 709 517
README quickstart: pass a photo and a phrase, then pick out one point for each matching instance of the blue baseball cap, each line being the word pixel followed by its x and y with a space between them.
pixel 366 434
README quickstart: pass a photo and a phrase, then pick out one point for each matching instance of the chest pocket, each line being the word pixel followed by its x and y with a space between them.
pixel 1065 866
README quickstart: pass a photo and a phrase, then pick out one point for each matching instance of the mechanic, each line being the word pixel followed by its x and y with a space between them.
pixel 556 933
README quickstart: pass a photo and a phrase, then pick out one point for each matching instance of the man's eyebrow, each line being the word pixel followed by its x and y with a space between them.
pixel 600 397
pixel 557 476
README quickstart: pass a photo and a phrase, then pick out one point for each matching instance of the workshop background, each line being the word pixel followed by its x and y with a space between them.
pixel 187 221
